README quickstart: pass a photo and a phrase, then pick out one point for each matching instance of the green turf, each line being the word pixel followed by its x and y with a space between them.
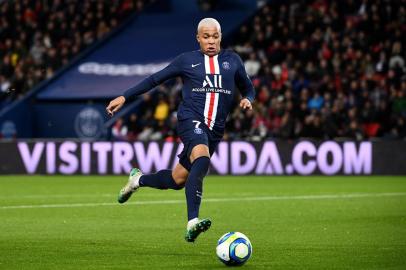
pixel 287 231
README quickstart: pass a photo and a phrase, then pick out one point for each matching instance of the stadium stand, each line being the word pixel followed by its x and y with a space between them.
pixel 322 69
pixel 326 69
pixel 72 102
pixel 39 37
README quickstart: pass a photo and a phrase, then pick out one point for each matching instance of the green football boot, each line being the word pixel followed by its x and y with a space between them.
pixel 201 226
pixel 131 186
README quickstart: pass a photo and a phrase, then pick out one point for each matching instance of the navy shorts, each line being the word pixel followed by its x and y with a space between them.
pixel 192 133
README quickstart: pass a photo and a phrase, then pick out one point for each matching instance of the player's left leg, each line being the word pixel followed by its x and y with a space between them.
pixel 163 179
pixel 200 160
pixel 131 186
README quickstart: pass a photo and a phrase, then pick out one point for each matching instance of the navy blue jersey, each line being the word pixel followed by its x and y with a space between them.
pixel 209 85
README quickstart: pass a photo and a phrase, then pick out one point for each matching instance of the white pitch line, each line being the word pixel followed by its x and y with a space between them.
pixel 58 196
pixel 209 200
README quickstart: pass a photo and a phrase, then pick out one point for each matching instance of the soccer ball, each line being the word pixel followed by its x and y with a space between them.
pixel 234 248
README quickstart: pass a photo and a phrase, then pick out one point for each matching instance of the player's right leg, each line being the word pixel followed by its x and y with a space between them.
pixel 164 179
pixel 200 161
pixel 196 227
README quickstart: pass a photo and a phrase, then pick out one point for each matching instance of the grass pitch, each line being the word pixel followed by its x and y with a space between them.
pixel 61 222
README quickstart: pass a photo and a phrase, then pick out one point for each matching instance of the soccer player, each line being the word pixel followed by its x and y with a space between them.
pixel 210 77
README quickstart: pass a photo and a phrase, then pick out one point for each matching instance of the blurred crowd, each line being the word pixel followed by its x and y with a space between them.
pixel 156 118
pixel 325 69
pixel 321 69
pixel 37 37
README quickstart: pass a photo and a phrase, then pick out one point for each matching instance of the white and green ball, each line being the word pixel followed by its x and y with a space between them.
pixel 234 248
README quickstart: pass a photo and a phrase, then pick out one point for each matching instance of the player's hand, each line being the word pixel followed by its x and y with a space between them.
pixel 115 105
pixel 246 104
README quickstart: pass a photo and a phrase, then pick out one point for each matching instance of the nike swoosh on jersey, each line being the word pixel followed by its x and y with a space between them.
pixel 195 65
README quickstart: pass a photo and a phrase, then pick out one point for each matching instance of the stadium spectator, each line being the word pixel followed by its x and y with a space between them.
pixel 119 130
pixel 147 124
pixel 252 65
pixel 133 127
pixel 161 110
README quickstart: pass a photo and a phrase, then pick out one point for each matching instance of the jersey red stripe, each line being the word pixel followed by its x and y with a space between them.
pixel 211 62
pixel 210 114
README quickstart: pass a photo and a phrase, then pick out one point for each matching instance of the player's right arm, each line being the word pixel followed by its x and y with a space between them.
pixel 171 71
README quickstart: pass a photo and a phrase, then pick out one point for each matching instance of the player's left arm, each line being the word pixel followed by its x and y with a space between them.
pixel 171 71
pixel 245 86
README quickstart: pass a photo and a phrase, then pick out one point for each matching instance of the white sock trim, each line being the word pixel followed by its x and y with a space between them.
pixel 135 181
pixel 192 222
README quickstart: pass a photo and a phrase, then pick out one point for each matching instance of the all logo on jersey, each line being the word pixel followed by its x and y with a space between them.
pixel 215 81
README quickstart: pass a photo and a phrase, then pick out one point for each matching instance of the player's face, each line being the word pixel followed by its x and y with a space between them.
pixel 209 39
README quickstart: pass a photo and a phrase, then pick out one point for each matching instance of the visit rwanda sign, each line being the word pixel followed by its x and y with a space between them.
pixel 231 158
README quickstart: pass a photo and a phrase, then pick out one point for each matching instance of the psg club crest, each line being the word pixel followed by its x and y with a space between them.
pixel 198 131
pixel 89 123
pixel 226 65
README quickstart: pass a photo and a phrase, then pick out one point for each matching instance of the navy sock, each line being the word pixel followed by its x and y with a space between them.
pixel 160 180
pixel 194 186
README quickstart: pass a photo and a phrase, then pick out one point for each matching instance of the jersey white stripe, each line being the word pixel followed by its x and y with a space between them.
pixel 216 64
pixel 213 117
pixel 206 109
pixel 207 103
pixel 206 64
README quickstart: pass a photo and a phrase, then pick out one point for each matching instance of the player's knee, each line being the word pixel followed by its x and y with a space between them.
pixel 180 182
pixel 200 150
pixel 179 175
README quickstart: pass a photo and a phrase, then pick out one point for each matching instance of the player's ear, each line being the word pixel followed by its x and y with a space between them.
pixel 197 38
